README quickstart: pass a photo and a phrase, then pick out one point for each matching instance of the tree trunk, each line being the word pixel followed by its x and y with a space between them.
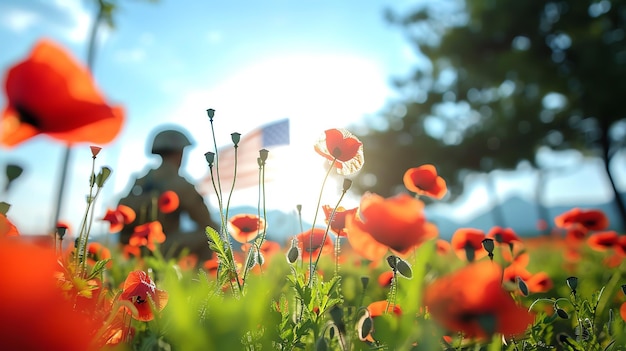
pixel 542 212
pixel 496 210
pixel 607 154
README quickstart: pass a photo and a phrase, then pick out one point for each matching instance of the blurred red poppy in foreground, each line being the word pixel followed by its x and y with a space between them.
pixel 345 149
pixel 397 223
pixel 148 234
pixel 338 225
pixel 168 202
pixel 141 291
pixel 590 219
pixel 245 227
pixel 35 314
pixel 423 180
pixel 119 217
pixel 7 228
pixel 473 302
pixel 51 93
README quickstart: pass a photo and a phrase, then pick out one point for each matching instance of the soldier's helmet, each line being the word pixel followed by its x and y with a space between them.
pixel 170 140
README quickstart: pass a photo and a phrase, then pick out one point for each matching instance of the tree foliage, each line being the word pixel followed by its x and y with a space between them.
pixel 501 79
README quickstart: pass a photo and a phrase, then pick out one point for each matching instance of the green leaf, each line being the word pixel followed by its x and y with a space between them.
pixel 98 268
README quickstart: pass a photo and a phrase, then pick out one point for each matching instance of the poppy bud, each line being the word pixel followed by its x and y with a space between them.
pixel 488 244
pixel 61 230
pixel 235 137
pixel 4 207
pixel 624 289
pixel 521 284
pixel 391 260
pixel 210 158
pixel 365 281
pixel 364 327
pixel 404 268
pixel 95 150
pixel 299 208
pixel 293 253
pixel 572 282
pixel 347 183
pixel 104 174
pixel 263 154
pixel 211 113
pixel 12 172
pixel 561 312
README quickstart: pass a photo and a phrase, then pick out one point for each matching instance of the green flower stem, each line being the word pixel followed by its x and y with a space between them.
pixel 317 209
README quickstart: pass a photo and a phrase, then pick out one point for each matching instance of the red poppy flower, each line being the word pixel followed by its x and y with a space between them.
pixel 377 309
pixel 119 217
pixel 467 243
pixel 268 249
pixel 7 228
pixel 51 93
pixel 32 304
pixel 385 278
pixel 442 247
pixel 141 291
pixel 601 241
pixel 590 219
pixel 575 234
pixel 148 234
pixel 129 251
pixel 472 298
pixel 168 202
pixel 512 271
pixel 397 223
pixel 211 265
pixel 620 246
pixel 423 180
pixel 622 311
pixel 340 146
pixel 98 252
pixel 188 262
pixel 245 227
pixel 502 235
pixel 338 225
pixel 310 243
pixel 539 282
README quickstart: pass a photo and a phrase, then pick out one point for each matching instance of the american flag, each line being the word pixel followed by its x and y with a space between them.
pixel 271 137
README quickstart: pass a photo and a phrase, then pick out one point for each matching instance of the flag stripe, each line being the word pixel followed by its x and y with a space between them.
pixel 275 134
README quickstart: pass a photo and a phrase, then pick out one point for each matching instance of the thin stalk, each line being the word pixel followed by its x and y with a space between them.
pixel 91 54
pixel 330 221
pixel 317 209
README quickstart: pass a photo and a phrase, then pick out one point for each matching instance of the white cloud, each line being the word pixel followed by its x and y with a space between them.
pixel 18 20
pixel 130 56
pixel 66 18
pixel 80 19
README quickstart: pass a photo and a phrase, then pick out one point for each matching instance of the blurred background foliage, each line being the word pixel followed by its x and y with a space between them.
pixel 503 79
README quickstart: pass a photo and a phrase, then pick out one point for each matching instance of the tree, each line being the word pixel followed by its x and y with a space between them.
pixel 506 77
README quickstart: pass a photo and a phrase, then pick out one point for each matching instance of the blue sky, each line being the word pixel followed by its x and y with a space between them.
pixel 323 64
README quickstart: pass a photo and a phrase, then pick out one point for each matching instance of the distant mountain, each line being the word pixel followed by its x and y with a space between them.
pixel 519 214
